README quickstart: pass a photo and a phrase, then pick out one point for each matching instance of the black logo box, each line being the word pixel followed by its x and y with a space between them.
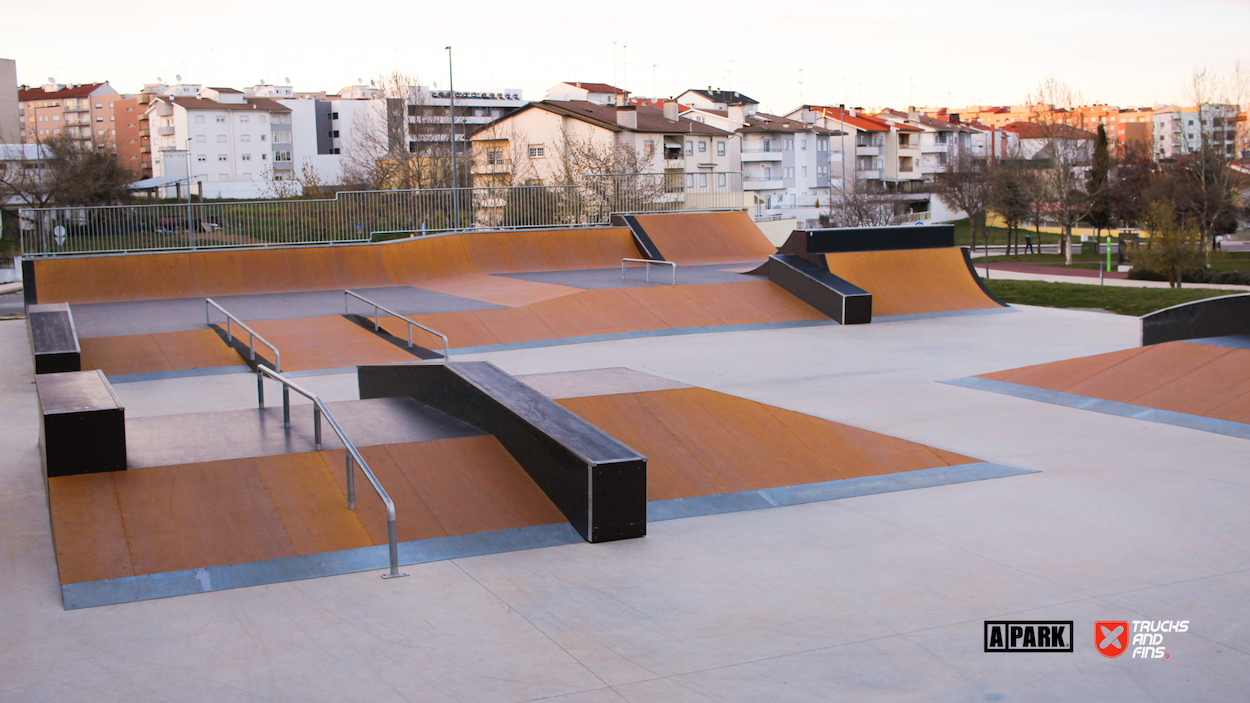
pixel 1030 629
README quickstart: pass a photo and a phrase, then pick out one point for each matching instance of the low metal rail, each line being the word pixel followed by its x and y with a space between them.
pixel 650 263
pixel 378 309
pixel 209 304
pixel 353 455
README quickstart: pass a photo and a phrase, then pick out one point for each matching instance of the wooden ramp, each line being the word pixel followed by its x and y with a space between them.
pixel 910 281
pixel 700 442
pixel 422 262
pixel 707 237
pixel 148 521
pixel 1196 379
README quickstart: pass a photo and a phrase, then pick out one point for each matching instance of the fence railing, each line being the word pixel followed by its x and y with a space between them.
pixel 353 454
pixel 353 216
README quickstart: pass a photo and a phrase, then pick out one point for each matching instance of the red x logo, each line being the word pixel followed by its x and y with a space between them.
pixel 1111 637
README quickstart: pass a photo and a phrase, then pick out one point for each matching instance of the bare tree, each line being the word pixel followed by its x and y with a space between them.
pixel 1011 196
pixel 1201 179
pixel 1068 151
pixel 305 183
pixel 966 185
pixel 852 205
pixel 403 143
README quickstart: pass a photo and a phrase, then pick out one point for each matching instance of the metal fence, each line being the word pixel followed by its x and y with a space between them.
pixel 361 216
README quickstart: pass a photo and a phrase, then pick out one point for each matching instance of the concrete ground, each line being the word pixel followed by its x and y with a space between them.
pixel 879 597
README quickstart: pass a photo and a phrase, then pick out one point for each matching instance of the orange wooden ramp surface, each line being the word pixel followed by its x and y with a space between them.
pixel 422 262
pixel 147 521
pixel 701 442
pixel 1197 379
pixel 707 237
pixel 909 281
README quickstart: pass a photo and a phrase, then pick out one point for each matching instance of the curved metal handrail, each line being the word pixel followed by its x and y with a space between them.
pixel 378 309
pixel 353 454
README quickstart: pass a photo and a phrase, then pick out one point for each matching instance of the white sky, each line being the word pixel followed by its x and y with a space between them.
pixel 949 52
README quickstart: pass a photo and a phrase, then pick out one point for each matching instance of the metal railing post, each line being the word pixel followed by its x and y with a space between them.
pixel 351 483
pixel 316 427
pixel 260 390
pixel 286 406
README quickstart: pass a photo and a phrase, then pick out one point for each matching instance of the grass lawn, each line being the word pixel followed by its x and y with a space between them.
pixel 1229 261
pixel 1117 299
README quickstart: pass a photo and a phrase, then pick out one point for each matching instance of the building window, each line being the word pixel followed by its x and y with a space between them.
pixel 702 180
pixel 223 176
pixel 99 106
pixel 221 138
pixel 281 137
pixel 247 157
pixel 201 157
pixel 221 119
pixel 223 157
pixel 286 155
pixel 199 139
pixel 245 137
pixel 335 150
pixel 243 118
pixel 261 119
pixel 720 150
pixel 689 180
pixel 537 151
pixel 689 148
pixel 702 147
pixel 495 158
pixel 803 144
pixel 334 115
pixel 648 148
pixel 264 137
pixel 720 179
pixel 264 156
pixel 199 119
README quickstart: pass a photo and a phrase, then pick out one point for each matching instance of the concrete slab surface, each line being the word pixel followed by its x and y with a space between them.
pixel 879 597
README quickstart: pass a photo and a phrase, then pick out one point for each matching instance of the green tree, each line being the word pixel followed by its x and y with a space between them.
pixel 1174 247
pixel 1011 196
pixel 1100 210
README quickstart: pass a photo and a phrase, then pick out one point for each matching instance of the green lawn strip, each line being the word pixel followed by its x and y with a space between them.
pixel 1121 300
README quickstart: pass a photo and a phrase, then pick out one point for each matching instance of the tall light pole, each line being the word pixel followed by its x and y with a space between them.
pixel 455 175
pixel 190 229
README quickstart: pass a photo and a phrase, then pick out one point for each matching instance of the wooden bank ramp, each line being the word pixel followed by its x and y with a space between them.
pixel 460 264
pixel 909 270
pixel 707 237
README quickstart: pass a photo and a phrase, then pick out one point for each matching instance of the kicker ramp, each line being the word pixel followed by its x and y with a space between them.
pixel 841 300
pixel 912 269
pixel 598 483
pixel 698 238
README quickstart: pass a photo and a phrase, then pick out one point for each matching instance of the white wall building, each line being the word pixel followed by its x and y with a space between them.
pixel 234 143
pixel 600 93
pixel 1185 130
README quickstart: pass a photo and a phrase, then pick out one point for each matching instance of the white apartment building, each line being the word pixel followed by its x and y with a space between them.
pixel 1185 130
pixel 525 146
pixel 233 143
pixel 787 165
pixel 718 100
pixel 600 93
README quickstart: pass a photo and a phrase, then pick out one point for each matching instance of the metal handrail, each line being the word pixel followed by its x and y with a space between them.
pixel 251 346
pixel 377 320
pixel 251 343
pixel 650 263
pixel 353 454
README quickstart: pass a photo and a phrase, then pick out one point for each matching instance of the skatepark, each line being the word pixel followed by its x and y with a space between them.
pixel 656 460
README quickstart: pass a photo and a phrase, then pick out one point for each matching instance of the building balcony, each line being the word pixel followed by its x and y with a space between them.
pixel 283 166
pixel 762 183
pixel 873 174
pixel 761 155
pixel 913 148
pixel 145 132
pixel 868 151
pixel 165 131
pixel 677 164
pixel 145 148
pixel 82 108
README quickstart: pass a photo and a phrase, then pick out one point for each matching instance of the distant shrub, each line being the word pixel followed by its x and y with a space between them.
pixel 1236 278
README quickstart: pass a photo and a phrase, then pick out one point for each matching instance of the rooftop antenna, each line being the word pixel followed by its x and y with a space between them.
pixel 613 64
pixel 624 69
pixel 731 74
pixel 800 86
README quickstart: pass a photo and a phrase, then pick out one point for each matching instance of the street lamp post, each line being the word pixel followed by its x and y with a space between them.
pixel 190 229
pixel 455 176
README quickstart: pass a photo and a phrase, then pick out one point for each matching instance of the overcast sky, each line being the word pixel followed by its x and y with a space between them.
pixel 952 52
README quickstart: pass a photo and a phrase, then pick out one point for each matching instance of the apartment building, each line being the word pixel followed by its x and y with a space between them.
pixel 525 146
pixel 1184 130
pixel 134 134
pixel 887 154
pixel 787 166
pixel 83 112
pixel 576 91
pixel 1037 141
pixel 718 100
pixel 232 143
pixel 326 127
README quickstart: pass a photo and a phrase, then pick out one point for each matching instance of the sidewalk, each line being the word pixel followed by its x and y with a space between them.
pixel 1067 277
